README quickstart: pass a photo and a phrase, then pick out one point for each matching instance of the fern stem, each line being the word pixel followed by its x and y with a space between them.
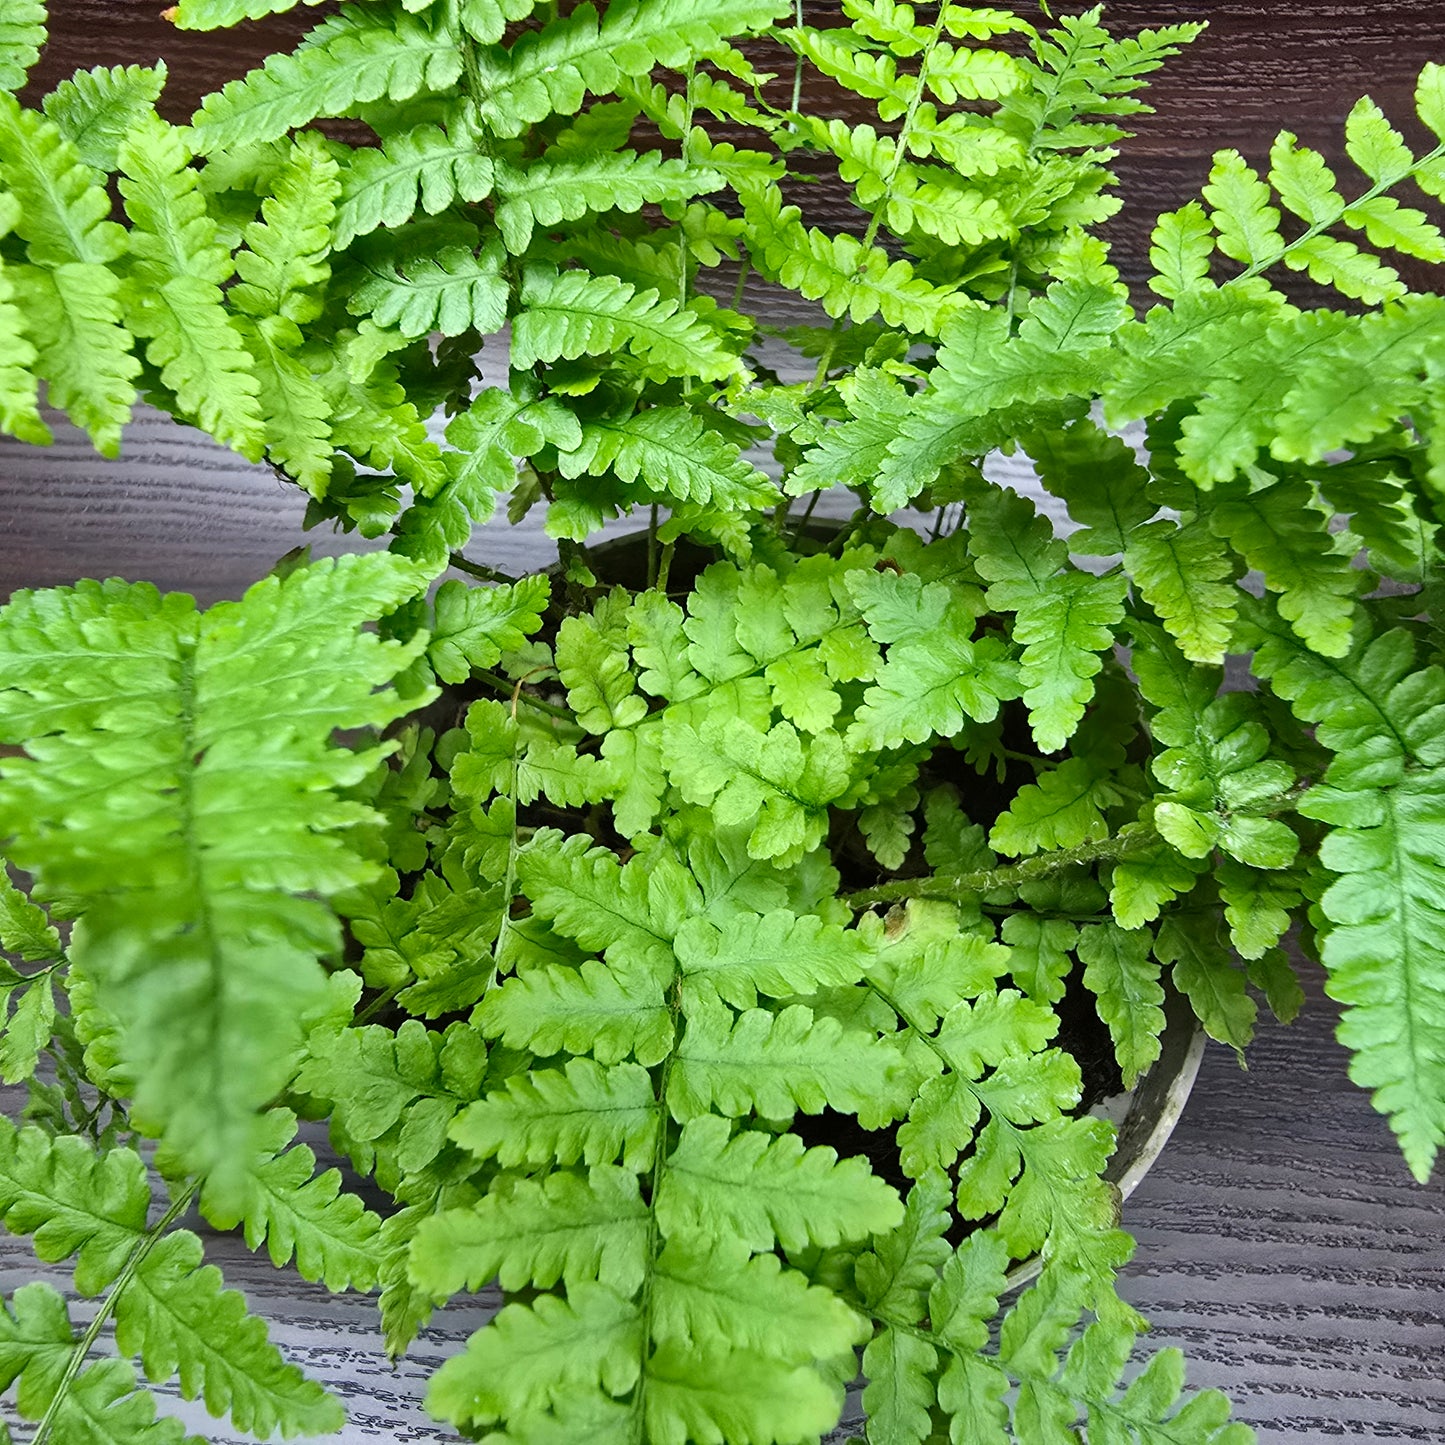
pixel 1030 870
pixel 664 566
pixel 745 267
pixel 654 1234
pixel 480 570
pixel 503 684
pixel 1319 227
pixel 652 547
pixel 797 59
pixel 86 1343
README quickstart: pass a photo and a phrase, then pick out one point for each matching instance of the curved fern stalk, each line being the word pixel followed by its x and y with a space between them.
pixel 173 296
pixel 197 932
pixel 70 294
pixel 22 36
pixel 367 53
pixel 170 1310
pixel 1243 224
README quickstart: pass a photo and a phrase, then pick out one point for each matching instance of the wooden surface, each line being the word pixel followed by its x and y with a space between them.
pixel 1281 1240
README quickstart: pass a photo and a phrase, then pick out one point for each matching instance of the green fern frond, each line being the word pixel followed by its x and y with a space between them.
pixel 838 271
pixel 776 779
pixel 573 1227
pixel 283 266
pixel 486 20
pixel 73 314
pixel 22 36
pixel 582 1113
pixel 1185 574
pixel 222 14
pixel 1379 715
pixel 759 1189
pixel 1281 530
pixel 772 1064
pixel 364 54
pixel 1120 973
pixel 174 1315
pixel 474 626
pixel 983 369
pixel 71 298
pixel 102 1403
pixel 1215 763
pixel 568 314
pixel 95 108
pixel 1062 808
pixel 453 291
pixel 201 914
pixel 170 1310
pixel 174 297
pixel 423 167
pixel 673 454
pixel 552 71
pixel 301 1215
pixel 589 1010
pixel 1064 618
pixel 19 386
pixel 551 191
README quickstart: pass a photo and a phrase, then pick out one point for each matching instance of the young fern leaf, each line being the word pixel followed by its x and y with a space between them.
pixel 1382 794
pixel 70 295
pixel 201 916
pixel 170 1309
pixel 568 314
pixel 838 271
pixel 670 451
pixel 1216 764
pixel 283 270
pixel 452 292
pixel 1244 225
pixel 553 190
pixel 222 14
pixel 19 386
pixel 423 167
pixel 1064 618
pixel 772 1064
pixel 582 1113
pixel 1120 973
pixel 304 1216
pixel 364 54
pixel 95 108
pixel 983 370
pixel 1185 574
pixel 22 35
pixel 551 71
pixel 1281 531
pixel 173 296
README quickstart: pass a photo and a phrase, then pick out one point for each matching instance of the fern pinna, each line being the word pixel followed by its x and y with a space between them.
pixel 692 968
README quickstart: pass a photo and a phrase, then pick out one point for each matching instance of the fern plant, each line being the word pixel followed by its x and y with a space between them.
pixel 678 939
